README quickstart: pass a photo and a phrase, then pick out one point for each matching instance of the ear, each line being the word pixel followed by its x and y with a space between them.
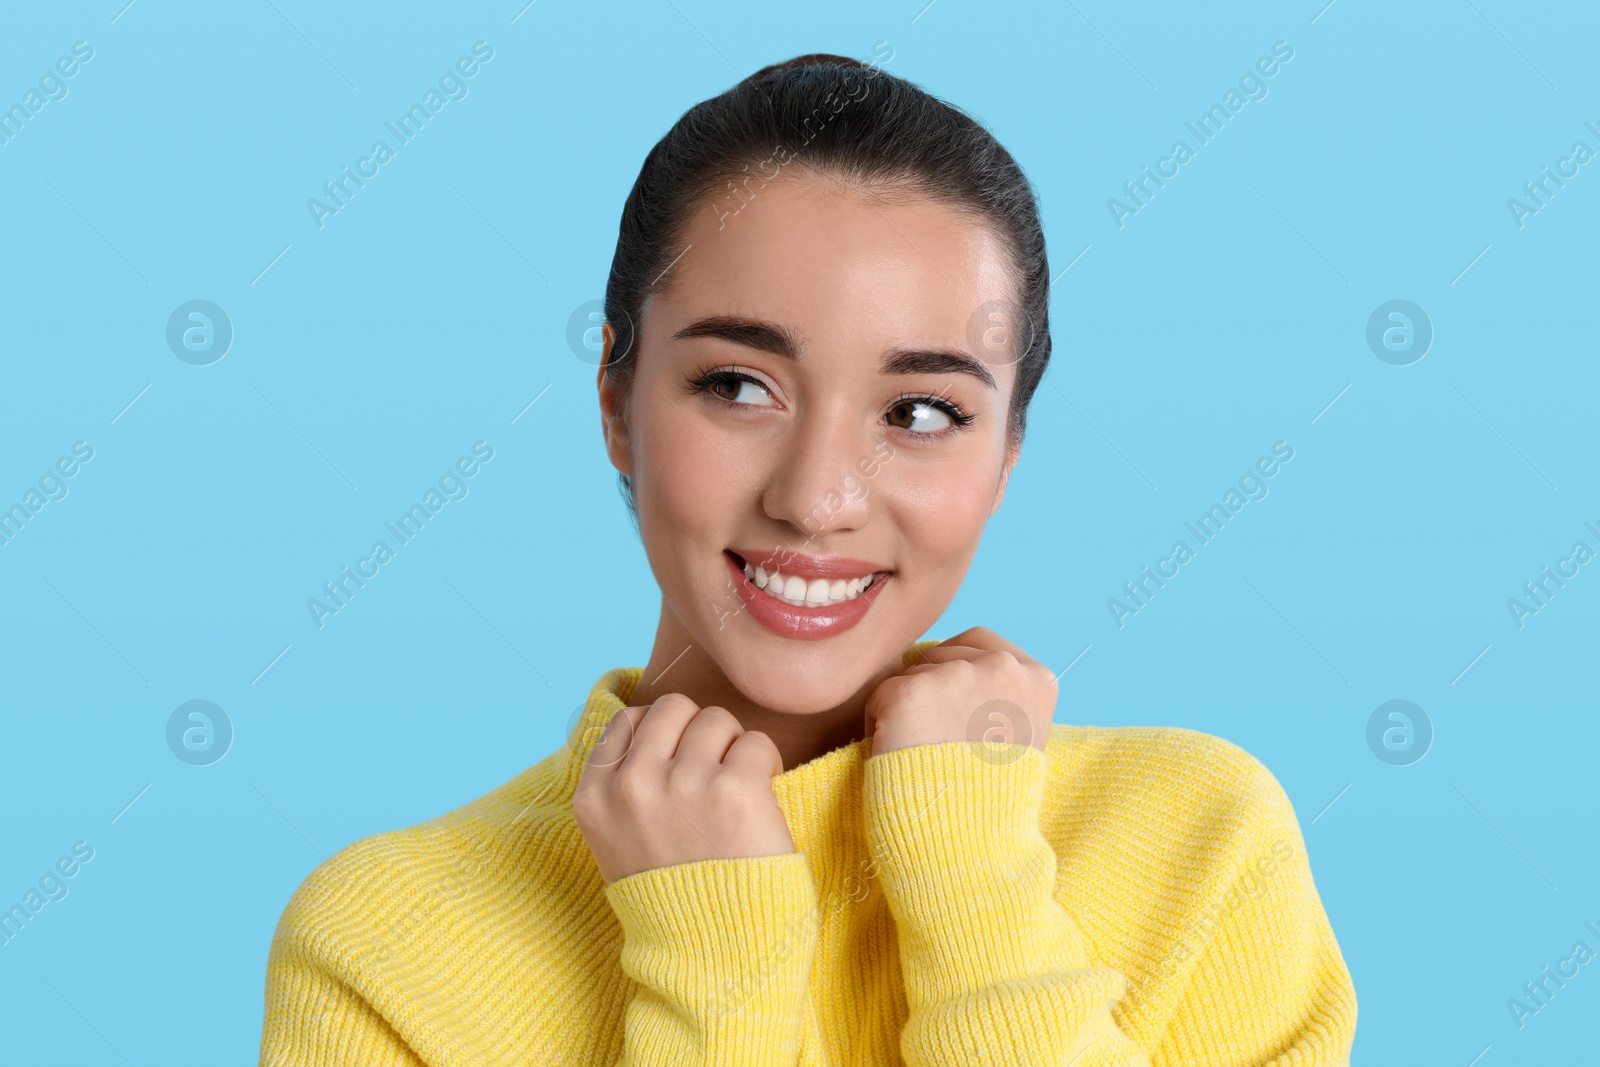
pixel 1013 450
pixel 613 424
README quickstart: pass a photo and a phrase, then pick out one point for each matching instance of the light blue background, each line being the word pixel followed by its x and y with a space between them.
pixel 368 355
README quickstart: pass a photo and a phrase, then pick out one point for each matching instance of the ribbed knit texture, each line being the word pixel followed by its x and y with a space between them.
pixel 1136 895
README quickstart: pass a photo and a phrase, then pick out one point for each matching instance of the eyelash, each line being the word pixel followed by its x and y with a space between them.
pixel 702 380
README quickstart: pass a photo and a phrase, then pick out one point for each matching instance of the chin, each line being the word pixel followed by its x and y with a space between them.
pixel 798 677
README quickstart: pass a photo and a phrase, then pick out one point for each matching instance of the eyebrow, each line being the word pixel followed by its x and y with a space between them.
pixel 781 341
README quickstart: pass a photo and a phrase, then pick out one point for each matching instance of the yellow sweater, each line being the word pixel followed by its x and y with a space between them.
pixel 1138 895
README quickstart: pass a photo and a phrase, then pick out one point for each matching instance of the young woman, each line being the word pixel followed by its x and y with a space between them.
pixel 797 836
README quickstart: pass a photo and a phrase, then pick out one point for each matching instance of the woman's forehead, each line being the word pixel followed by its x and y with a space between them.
pixel 811 224
pixel 838 264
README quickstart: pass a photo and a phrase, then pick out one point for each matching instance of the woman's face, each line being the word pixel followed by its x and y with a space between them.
pixel 789 403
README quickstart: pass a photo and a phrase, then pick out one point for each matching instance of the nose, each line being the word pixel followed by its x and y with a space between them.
pixel 815 483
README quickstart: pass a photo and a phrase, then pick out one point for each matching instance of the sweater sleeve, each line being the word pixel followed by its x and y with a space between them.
pixel 995 969
pixel 720 953
pixel 1261 981
pixel 314 1019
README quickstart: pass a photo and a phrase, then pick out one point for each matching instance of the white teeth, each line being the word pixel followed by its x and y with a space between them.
pixel 795 590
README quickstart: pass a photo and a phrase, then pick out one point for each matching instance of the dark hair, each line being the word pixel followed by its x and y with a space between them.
pixel 884 134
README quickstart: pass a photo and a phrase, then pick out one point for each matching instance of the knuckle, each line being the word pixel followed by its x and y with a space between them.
pixel 588 807
pixel 681 778
pixel 759 740
pixel 726 786
pixel 609 749
pixel 631 787
pixel 963 670
pixel 718 714
pixel 734 793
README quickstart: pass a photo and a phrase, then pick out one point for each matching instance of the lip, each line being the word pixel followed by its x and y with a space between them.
pixel 807 566
pixel 806 624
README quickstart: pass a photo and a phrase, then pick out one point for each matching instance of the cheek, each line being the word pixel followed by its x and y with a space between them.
pixel 941 512
pixel 685 488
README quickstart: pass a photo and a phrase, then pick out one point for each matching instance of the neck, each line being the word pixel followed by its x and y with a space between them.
pixel 679 665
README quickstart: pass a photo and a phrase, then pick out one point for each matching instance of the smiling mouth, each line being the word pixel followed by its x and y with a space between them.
pixel 800 592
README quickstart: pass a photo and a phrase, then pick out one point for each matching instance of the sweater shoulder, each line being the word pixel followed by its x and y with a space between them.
pixel 1167 794
pixel 1181 857
pixel 426 924
pixel 385 890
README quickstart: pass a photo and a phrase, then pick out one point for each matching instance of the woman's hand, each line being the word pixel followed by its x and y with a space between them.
pixel 674 783
pixel 975 686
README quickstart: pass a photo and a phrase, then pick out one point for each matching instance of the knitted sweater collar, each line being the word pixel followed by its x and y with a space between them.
pixel 816 797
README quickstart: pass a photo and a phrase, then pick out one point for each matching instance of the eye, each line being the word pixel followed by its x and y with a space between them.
pixel 928 410
pixel 729 386
pixel 926 416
